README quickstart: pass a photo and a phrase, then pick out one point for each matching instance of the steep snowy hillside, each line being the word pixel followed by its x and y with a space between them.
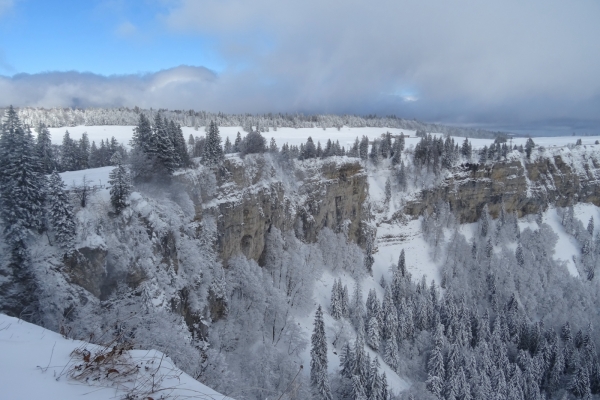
pixel 40 364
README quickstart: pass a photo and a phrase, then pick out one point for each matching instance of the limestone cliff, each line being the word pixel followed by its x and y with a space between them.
pixel 254 194
pixel 561 176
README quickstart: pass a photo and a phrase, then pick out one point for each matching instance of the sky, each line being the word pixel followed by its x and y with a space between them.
pixel 510 64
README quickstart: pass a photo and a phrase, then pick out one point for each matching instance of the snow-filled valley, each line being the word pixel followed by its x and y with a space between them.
pixel 507 284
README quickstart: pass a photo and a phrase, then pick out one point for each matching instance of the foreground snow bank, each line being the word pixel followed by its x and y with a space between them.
pixel 36 363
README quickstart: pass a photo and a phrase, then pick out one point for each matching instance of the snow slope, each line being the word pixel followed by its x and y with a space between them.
pixel 35 363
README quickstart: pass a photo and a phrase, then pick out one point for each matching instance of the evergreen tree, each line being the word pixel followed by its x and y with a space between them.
pixel 60 213
pixel 273 146
pixel 435 366
pixel 519 255
pixel 388 190
pixel 465 150
pixel 373 338
pixel 83 152
pixel 390 351
pixel 181 151
pixel 402 181
pixel 166 159
pixel 143 137
pixel 237 143
pixel 22 184
pixel 22 191
pixel 374 154
pixel 44 149
pixel 69 154
pixel 590 226
pixel 363 149
pixel 227 147
pixel 213 152
pixel 95 161
pixel 120 184
pixel 402 263
pixel 336 301
pixel 319 379
pixel 310 150
pixel 529 145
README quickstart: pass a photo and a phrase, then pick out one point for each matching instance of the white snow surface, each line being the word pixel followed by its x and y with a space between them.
pixel 35 362
pixel 293 136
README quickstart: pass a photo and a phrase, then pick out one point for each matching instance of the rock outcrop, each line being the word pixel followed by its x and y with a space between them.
pixel 253 195
pixel 561 177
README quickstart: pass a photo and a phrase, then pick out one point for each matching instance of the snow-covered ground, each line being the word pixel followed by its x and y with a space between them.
pixel 345 135
pixel 36 362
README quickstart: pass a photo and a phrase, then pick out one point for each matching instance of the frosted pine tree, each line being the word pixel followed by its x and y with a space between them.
pixel 345 302
pixel 373 333
pixel 44 149
pixel 435 366
pixel 22 191
pixel 60 213
pixel 390 351
pixel 22 185
pixel 213 152
pixel 336 301
pixel 166 158
pixel 319 380
pixel 120 184
pixel 143 136
pixel 388 190
pixel 179 145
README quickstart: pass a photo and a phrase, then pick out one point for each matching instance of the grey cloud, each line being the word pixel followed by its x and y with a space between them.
pixel 462 59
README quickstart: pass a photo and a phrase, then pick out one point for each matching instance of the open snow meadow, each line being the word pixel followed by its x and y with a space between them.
pixel 292 136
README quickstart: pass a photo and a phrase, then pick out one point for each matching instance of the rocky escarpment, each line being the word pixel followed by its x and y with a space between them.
pixel 256 194
pixel 561 177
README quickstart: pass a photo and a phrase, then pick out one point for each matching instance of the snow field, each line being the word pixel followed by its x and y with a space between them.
pixel 345 135
pixel 35 362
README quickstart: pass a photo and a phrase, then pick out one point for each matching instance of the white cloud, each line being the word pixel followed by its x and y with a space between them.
pixel 126 29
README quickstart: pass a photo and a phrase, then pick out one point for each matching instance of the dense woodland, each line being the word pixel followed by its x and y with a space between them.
pixel 506 321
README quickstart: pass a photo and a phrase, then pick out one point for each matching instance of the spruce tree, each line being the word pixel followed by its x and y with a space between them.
pixel 22 191
pixel 44 149
pixel 388 190
pixel 69 153
pixel 179 145
pixel 120 184
pixel 363 149
pixel 60 213
pixel 319 379
pixel 336 301
pixel 83 152
pixel 143 137
pixel 213 152
pixel 166 158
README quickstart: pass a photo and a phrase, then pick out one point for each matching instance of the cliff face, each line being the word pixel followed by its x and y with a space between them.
pixel 254 195
pixel 560 177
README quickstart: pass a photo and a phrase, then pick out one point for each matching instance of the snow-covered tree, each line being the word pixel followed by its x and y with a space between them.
pixel 529 145
pixel 60 213
pixel 120 185
pixel 166 158
pixel 44 149
pixel 213 152
pixel 388 190
pixel 319 380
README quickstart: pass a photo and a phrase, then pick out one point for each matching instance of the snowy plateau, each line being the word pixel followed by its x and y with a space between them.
pixel 208 288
